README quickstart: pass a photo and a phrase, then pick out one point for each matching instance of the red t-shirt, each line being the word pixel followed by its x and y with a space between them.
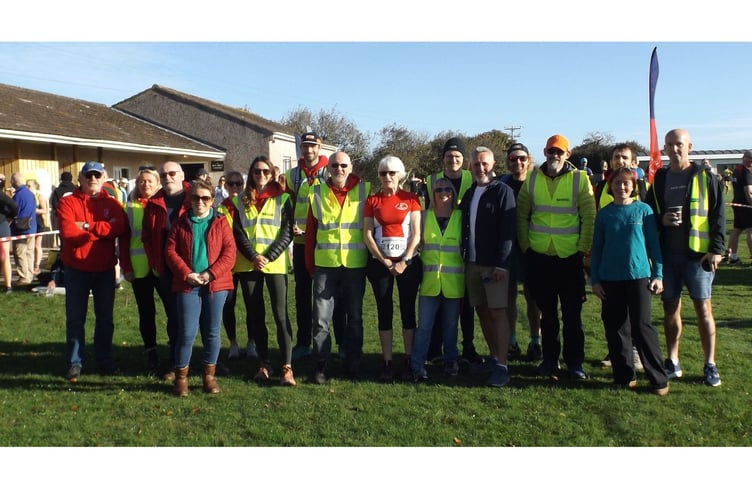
pixel 391 220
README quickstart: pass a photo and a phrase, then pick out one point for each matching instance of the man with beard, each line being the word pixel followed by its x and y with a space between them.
pixel 555 221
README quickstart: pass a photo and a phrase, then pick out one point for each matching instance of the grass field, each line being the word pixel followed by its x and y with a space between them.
pixel 38 408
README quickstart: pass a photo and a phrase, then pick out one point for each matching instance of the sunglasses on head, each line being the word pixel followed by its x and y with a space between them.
pixel 164 175
pixel 147 168
pixel 195 198
pixel 94 174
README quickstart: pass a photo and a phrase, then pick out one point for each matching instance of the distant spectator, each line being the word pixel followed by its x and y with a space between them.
pixel 25 223
pixel 742 214
pixel 42 216
pixel 63 189
pixel 220 192
pixel 8 210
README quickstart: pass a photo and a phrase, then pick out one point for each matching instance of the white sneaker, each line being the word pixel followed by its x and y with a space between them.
pixel 234 352
pixel 636 358
pixel 250 350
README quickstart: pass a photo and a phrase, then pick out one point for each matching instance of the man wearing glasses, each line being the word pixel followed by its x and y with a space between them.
pixel 90 222
pixel 163 209
pixel 555 219
pixel 336 258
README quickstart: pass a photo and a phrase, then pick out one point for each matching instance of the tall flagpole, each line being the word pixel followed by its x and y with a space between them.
pixel 655 152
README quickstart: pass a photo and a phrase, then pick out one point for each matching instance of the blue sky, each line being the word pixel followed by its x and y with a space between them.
pixel 566 87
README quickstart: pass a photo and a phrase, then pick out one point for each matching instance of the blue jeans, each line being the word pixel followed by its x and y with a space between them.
pixel 77 287
pixel 681 270
pixel 348 287
pixel 199 310
pixel 428 310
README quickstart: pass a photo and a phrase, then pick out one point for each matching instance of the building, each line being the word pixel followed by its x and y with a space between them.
pixel 242 135
pixel 45 134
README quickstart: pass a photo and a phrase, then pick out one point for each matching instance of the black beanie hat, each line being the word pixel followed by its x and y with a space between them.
pixel 454 144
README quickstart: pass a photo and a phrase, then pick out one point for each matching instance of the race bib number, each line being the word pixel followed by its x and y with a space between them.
pixel 393 246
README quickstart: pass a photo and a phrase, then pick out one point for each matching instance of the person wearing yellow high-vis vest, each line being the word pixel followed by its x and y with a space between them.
pixel 310 171
pixel 555 220
pixel 336 258
pixel 234 184
pixel 443 283
pixel 262 227
pixel 452 161
pixel 688 202
pixel 135 264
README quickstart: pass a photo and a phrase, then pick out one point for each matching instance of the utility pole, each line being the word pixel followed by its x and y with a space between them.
pixel 511 131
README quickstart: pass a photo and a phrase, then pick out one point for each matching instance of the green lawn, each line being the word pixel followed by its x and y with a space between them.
pixel 38 408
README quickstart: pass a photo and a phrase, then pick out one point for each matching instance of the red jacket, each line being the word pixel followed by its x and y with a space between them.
pixel 153 231
pixel 92 249
pixel 220 249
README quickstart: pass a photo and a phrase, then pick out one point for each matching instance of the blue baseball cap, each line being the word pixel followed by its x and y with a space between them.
pixel 92 166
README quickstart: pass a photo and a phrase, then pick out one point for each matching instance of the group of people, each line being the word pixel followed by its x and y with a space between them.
pixel 459 252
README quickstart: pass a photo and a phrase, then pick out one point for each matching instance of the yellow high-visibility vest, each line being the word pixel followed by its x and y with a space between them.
pixel 262 229
pixel 443 266
pixel 339 238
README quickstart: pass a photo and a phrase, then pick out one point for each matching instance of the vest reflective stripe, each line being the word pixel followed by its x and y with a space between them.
pixel 699 224
pixel 139 261
pixel 443 266
pixel 262 229
pixel 339 237
pixel 241 263
pixel 554 218
pixel 302 193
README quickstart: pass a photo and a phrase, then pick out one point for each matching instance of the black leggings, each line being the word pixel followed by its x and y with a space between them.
pixel 408 283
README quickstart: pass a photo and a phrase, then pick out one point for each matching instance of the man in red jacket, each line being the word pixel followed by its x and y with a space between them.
pixel 90 222
pixel 163 209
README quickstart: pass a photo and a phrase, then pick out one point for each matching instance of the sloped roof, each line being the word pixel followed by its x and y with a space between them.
pixel 41 114
pixel 236 114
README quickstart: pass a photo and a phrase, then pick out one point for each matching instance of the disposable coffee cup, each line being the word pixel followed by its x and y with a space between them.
pixel 678 211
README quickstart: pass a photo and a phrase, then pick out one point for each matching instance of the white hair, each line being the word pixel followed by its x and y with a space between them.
pixel 391 163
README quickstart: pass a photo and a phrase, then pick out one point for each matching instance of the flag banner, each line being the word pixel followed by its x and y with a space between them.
pixel 655 151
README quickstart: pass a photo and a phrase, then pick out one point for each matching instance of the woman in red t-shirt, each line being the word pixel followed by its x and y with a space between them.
pixel 392 235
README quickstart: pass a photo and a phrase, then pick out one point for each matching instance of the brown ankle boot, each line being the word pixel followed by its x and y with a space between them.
pixel 210 382
pixel 181 382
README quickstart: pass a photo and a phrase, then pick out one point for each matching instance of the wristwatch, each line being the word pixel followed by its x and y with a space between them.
pixel 85 226
pixel 408 261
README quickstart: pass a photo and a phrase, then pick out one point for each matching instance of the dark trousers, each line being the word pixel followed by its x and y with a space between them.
pixel 252 284
pixel 553 281
pixel 143 291
pixel 382 284
pixel 626 315
pixel 170 303
pixel 229 319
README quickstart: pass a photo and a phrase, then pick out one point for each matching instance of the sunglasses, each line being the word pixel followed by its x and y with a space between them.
pixel 235 184
pixel 147 168
pixel 164 175
pixel 554 151
pixel 443 190
pixel 94 174
pixel 384 173
pixel 339 165
pixel 262 171
pixel 518 158
pixel 195 198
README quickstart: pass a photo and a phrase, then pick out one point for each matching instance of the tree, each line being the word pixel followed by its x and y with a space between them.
pixel 412 148
pixel 333 128
pixel 495 140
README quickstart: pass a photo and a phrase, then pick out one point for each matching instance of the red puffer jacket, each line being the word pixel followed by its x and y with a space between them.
pixel 220 249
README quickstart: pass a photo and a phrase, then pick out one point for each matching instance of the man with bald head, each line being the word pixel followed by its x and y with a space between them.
pixel 163 209
pixel 688 202
pixel 336 258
